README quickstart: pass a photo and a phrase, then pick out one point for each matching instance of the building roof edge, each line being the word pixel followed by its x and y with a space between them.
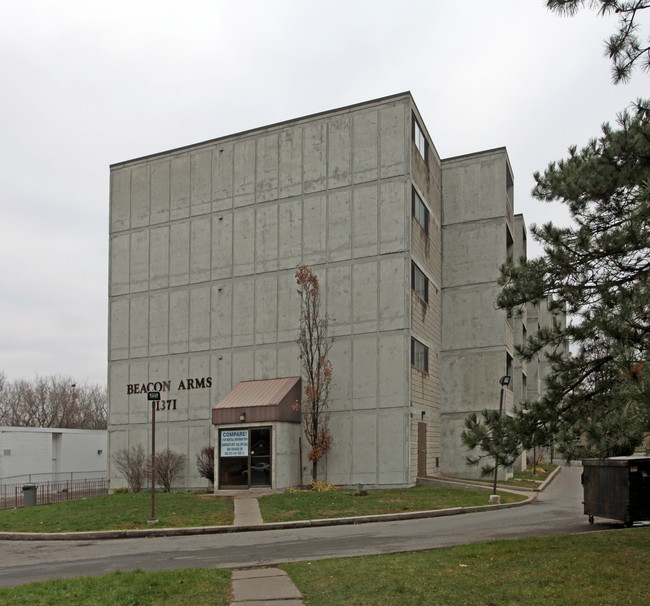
pixel 252 130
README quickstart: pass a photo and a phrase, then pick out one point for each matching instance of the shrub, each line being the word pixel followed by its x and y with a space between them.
pixel 169 465
pixel 130 462
pixel 205 463
pixel 322 486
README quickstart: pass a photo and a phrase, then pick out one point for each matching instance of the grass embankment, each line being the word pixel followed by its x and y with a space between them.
pixel 120 511
pixel 310 505
pixel 526 479
pixel 586 569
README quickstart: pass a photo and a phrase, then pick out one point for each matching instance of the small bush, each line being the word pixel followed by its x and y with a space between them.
pixel 120 490
pixel 322 486
pixel 130 462
pixel 205 463
pixel 169 465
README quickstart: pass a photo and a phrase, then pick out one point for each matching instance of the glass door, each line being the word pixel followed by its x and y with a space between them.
pixel 245 457
pixel 260 461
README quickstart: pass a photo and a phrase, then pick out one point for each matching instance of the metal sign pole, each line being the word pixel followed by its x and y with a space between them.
pixel 154 396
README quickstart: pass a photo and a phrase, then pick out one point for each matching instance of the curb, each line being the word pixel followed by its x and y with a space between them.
pixel 548 480
pixel 171 532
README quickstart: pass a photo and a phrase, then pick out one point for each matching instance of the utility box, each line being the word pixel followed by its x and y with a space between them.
pixel 617 488
pixel 29 495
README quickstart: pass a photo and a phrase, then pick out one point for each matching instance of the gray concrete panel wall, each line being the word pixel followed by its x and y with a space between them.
pixel 204 246
pixel 471 320
pixel 473 252
pixel 471 385
pixel 364 146
pixel 476 337
pixel 475 186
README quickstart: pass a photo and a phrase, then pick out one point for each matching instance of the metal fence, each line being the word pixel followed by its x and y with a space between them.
pixel 61 476
pixel 11 495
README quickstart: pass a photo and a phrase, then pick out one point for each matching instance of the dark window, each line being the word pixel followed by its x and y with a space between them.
pixel 419 355
pixel 419 283
pixel 420 140
pixel 420 212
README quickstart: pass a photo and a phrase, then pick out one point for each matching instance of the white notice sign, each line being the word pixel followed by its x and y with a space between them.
pixel 234 443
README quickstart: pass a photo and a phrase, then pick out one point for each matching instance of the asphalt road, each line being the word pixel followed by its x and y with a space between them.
pixel 557 511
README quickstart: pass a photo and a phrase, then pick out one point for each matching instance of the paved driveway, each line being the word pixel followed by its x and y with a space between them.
pixel 557 511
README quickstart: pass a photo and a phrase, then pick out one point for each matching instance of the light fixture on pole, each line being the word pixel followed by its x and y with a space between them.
pixel 503 381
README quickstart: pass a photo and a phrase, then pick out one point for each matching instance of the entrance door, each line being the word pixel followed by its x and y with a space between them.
pixel 422 450
pixel 245 457
pixel 260 459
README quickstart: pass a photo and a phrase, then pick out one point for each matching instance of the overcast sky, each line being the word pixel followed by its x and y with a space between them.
pixel 87 84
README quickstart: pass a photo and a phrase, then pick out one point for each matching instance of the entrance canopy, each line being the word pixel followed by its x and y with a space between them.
pixel 260 402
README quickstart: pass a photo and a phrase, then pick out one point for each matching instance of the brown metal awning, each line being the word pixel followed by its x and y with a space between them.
pixel 260 401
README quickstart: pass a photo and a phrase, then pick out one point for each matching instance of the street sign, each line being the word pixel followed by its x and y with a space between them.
pixel 153 395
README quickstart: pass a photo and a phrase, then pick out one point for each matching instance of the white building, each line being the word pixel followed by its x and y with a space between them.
pixel 41 454
pixel 204 245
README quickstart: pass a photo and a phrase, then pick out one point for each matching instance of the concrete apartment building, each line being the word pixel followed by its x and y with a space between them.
pixel 204 244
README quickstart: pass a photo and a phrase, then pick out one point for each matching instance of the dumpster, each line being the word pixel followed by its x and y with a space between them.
pixel 617 488
pixel 29 495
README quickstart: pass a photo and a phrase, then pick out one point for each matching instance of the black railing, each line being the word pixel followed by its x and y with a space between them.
pixel 12 495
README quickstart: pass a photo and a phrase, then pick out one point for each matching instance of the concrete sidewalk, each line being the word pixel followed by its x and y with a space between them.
pixel 260 586
pixel 247 512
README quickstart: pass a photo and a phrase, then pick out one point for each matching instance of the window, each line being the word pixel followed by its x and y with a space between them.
pixel 419 355
pixel 420 212
pixel 419 283
pixel 510 188
pixel 419 139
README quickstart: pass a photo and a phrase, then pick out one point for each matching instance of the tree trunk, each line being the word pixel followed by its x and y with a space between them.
pixel 314 471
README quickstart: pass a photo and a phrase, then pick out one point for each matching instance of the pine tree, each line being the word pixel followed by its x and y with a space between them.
pixel 624 48
pixel 598 271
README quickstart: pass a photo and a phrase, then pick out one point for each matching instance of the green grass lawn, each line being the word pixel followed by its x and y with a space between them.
pixel 586 569
pixel 309 505
pixel 526 479
pixel 120 511
pixel 186 509
pixel 174 587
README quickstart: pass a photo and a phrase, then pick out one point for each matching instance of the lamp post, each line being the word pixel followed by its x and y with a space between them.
pixel 503 381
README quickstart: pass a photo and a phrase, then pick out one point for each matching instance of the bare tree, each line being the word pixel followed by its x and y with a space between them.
pixel 205 463
pixel 169 465
pixel 53 401
pixel 131 463
pixel 314 345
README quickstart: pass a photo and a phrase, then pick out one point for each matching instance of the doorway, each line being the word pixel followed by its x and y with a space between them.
pixel 422 450
pixel 245 457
